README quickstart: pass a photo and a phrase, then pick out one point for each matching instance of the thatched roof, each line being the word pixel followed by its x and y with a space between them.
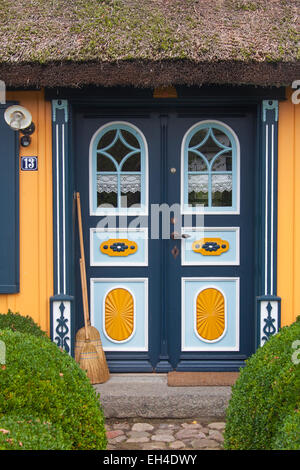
pixel 149 43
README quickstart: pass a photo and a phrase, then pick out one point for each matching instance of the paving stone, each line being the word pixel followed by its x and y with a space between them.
pixel 113 434
pixel 122 426
pixel 204 443
pixel 136 440
pixel 140 427
pixel 168 426
pixel 154 446
pixel 217 426
pixel 164 434
pixel 177 445
pixel 163 438
pixel 205 430
pixel 188 433
pixel 191 425
pixel 138 434
pixel 117 440
pixel 165 431
pixel 216 435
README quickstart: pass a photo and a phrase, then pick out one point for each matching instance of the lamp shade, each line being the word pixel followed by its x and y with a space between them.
pixel 17 117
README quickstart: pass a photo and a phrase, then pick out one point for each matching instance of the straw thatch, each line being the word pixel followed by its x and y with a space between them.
pixel 149 43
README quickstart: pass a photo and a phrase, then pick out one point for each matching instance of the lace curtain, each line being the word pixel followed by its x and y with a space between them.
pixel 199 183
pixel 109 183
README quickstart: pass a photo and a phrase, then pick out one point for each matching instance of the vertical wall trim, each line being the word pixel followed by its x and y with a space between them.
pixel 268 304
pixel 61 304
pixel 164 360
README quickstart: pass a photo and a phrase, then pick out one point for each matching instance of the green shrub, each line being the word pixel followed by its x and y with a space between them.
pixel 16 322
pixel 288 436
pixel 20 433
pixel 40 380
pixel 267 390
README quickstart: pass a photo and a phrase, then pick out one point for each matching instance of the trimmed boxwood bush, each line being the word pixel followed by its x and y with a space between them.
pixel 20 433
pixel 17 322
pixel 267 390
pixel 40 380
pixel 288 436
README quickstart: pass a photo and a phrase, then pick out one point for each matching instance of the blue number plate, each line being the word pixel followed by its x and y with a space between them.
pixel 29 163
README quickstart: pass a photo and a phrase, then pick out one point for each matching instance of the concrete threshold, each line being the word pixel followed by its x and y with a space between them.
pixel 148 396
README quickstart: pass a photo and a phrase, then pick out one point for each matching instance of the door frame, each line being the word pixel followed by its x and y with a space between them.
pixel 264 101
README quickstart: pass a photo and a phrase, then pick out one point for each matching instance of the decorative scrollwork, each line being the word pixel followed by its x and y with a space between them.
pixel 62 330
pixel 269 328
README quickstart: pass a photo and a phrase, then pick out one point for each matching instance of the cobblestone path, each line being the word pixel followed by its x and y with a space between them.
pixel 155 434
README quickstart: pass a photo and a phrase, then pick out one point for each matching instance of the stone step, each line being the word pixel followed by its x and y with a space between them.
pixel 148 396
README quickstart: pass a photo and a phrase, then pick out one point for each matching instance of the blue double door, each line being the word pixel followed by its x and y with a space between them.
pixel 168 206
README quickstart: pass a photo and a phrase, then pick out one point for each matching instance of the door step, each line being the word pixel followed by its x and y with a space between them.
pixel 149 396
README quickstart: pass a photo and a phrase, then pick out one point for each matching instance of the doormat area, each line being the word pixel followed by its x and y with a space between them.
pixel 196 379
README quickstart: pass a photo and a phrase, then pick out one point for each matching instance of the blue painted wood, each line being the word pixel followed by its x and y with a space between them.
pixel 62 211
pixel 164 133
pixel 244 128
pixel 9 207
pixel 268 208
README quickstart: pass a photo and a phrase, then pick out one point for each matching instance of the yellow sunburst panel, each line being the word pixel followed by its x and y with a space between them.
pixel 210 314
pixel 119 314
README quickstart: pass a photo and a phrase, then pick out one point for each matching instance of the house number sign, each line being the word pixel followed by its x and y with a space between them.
pixel 29 163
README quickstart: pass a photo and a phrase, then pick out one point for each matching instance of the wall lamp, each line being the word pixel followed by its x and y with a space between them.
pixel 19 119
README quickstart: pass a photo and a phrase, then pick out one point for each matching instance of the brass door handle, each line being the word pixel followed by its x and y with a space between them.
pixel 176 235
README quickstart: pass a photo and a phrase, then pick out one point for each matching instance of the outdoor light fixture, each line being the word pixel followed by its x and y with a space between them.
pixel 19 119
pixel 25 140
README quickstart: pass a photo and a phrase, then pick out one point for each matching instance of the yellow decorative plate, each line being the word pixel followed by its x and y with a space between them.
pixel 119 314
pixel 210 246
pixel 118 247
pixel 210 314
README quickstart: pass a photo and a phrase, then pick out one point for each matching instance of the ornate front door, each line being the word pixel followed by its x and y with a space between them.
pixel 168 213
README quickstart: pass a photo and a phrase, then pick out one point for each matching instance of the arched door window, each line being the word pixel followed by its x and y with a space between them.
pixel 119 164
pixel 211 169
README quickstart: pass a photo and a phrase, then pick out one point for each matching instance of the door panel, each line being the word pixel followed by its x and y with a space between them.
pixel 218 258
pixel 159 301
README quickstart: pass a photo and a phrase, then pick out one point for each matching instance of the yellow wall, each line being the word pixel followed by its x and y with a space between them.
pixel 36 260
pixel 289 210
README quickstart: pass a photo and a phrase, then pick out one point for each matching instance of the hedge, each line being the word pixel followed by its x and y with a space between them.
pixel 26 433
pixel 17 322
pixel 40 380
pixel 288 436
pixel 267 391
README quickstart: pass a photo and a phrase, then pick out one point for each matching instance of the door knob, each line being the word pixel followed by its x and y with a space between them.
pixel 176 235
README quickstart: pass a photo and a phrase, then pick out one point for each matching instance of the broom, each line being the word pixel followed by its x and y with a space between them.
pixel 88 334
pixel 89 359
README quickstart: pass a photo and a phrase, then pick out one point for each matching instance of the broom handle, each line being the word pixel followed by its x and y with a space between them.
pixel 82 251
pixel 84 299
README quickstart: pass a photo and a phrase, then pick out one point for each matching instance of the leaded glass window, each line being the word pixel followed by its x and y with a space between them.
pixel 119 167
pixel 210 169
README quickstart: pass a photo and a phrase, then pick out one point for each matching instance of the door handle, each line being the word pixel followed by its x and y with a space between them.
pixel 176 235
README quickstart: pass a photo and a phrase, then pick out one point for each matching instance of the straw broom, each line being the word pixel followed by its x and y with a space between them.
pixel 89 359
pixel 88 338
